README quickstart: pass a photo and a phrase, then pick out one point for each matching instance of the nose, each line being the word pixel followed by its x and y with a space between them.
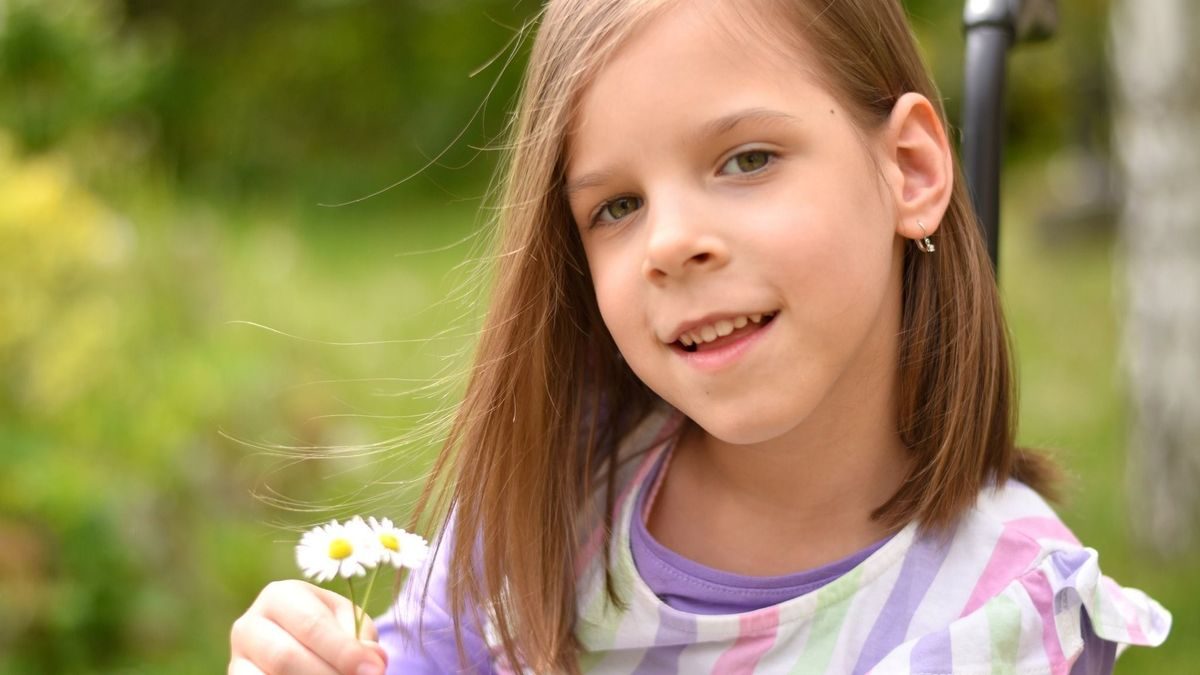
pixel 680 243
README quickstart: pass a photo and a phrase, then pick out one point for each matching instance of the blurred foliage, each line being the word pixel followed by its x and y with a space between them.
pixel 328 95
pixel 72 67
pixel 160 166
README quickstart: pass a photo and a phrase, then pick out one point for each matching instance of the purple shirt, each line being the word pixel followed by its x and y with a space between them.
pixel 691 587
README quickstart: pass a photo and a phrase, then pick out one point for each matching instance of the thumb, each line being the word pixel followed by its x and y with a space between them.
pixel 369 631
pixel 377 648
pixel 370 639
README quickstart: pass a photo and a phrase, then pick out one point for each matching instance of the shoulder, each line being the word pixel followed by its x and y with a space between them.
pixel 1016 589
pixel 418 631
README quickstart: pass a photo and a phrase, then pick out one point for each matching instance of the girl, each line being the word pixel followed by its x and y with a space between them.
pixel 743 401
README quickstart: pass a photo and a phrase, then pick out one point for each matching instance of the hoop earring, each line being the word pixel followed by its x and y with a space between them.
pixel 924 245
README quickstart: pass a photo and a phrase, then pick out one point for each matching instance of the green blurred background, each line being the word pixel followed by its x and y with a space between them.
pixel 184 319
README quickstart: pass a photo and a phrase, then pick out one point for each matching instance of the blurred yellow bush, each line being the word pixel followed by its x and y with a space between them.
pixel 61 252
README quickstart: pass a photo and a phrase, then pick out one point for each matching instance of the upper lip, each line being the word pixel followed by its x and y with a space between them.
pixel 707 320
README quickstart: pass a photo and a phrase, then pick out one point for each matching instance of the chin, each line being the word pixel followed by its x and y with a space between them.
pixel 744 427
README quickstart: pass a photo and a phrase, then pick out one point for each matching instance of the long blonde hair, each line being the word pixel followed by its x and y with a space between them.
pixel 549 396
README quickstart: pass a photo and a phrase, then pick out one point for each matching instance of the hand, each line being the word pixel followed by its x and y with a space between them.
pixel 295 628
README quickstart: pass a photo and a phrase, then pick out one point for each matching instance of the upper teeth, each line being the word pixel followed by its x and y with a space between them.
pixel 702 334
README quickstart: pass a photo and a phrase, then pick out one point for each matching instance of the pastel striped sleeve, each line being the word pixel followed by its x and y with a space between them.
pixel 1061 617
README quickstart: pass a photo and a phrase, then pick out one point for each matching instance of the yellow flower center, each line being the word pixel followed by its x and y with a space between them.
pixel 340 549
pixel 389 542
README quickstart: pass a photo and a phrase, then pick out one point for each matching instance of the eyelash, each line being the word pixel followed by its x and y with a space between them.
pixel 770 159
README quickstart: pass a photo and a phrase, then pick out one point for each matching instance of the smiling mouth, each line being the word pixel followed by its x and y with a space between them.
pixel 723 332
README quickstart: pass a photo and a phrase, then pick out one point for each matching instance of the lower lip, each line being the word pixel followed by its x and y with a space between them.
pixel 725 355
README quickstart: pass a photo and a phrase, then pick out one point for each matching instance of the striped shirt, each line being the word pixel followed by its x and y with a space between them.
pixel 1012 591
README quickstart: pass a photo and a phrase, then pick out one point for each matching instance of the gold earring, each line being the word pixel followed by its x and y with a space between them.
pixel 924 244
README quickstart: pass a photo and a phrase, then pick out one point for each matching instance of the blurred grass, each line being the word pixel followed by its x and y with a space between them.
pixel 234 340
pixel 1062 287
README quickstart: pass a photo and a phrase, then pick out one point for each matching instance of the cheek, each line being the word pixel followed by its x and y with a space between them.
pixel 834 258
pixel 613 295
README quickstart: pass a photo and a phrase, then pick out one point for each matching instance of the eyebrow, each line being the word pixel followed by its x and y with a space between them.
pixel 726 123
pixel 712 128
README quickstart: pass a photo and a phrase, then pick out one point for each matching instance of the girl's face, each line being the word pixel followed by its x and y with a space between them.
pixel 722 193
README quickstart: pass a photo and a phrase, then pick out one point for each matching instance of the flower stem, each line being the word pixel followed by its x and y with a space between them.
pixel 354 602
pixel 370 585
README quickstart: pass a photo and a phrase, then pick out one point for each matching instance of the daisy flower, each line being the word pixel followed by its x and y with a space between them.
pixel 350 549
pixel 336 549
pixel 395 546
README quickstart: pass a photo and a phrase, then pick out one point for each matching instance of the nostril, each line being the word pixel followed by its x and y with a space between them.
pixel 667 257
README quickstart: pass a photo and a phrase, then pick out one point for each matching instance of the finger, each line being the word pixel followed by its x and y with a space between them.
pixel 276 652
pixel 308 618
pixel 369 631
pixel 344 610
pixel 345 618
pixel 240 666
pixel 368 637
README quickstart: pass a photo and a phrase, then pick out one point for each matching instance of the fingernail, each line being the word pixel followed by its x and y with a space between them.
pixel 370 668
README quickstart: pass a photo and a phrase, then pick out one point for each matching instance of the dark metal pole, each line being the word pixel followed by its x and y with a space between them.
pixel 983 126
pixel 992 28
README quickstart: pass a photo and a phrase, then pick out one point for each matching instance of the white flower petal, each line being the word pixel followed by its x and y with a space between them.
pixel 319 559
pixel 395 546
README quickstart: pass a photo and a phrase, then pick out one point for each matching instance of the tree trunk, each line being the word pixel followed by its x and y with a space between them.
pixel 1156 70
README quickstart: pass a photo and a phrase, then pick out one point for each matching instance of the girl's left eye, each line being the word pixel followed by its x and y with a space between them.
pixel 747 162
pixel 617 209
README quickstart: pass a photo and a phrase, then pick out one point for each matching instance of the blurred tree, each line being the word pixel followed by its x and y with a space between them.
pixel 1156 45
pixel 69 70
pixel 333 98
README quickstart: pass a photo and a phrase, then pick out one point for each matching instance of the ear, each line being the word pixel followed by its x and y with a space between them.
pixel 918 165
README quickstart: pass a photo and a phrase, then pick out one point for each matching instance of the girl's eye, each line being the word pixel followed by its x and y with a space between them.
pixel 747 162
pixel 612 211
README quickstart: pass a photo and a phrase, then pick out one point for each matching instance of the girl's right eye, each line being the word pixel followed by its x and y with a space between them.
pixel 616 209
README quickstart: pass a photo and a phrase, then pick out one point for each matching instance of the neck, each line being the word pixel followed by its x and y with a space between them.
pixel 794 502
pixel 807 483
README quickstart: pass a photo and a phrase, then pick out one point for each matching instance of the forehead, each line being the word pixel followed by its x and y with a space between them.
pixel 688 64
